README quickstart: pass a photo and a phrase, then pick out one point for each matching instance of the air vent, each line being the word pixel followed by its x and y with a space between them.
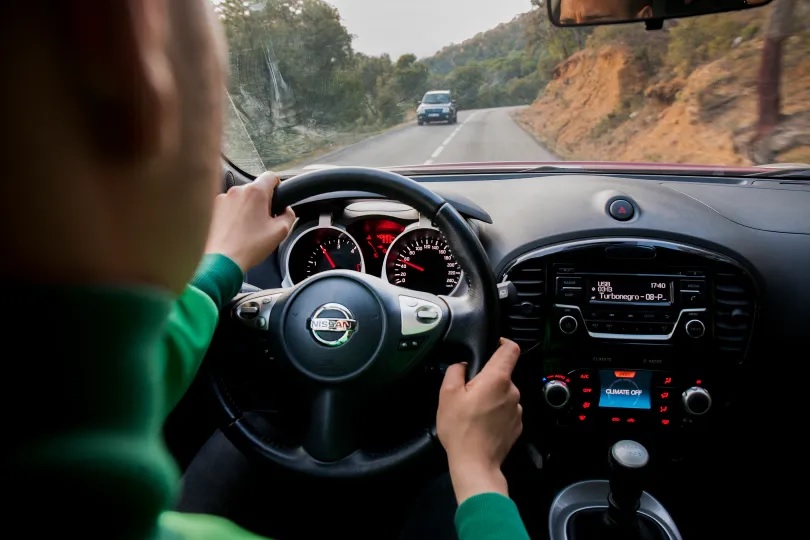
pixel 524 318
pixel 734 305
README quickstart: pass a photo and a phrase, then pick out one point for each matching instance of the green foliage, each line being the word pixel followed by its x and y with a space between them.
pixel 296 81
pixel 493 69
pixel 549 43
pixel 499 42
pixel 697 40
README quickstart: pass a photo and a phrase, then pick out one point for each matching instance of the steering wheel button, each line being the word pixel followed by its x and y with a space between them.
pixel 427 314
pixel 418 319
pixel 249 310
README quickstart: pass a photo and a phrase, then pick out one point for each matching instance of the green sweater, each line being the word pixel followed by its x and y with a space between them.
pixel 120 360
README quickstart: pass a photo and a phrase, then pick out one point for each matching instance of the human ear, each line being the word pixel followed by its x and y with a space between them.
pixel 123 76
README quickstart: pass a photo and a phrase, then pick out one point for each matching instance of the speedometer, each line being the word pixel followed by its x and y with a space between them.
pixel 420 259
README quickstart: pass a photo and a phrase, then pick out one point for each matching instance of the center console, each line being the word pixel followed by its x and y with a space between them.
pixel 615 509
pixel 630 335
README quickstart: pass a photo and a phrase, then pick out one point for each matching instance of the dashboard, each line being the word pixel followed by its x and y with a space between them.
pixel 645 306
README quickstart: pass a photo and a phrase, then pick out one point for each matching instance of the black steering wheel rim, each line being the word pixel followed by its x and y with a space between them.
pixel 476 316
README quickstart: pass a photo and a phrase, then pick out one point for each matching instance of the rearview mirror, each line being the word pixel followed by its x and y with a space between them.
pixel 594 12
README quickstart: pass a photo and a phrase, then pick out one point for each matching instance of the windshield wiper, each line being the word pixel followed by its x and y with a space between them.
pixel 798 173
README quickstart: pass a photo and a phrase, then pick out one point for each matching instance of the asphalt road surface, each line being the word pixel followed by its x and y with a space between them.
pixel 479 135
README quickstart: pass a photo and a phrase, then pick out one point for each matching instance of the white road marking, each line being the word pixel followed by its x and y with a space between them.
pixel 444 144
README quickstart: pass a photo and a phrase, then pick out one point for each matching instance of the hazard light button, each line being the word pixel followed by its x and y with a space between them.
pixel 621 209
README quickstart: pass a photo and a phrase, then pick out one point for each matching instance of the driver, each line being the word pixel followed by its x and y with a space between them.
pixel 117 254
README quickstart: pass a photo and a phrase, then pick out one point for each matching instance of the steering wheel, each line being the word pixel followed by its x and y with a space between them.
pixel 347 333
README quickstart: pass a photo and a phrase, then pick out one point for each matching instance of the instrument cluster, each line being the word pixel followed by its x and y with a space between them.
pixel 405 253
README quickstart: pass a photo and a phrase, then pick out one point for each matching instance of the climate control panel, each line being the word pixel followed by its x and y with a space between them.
pixel 632 398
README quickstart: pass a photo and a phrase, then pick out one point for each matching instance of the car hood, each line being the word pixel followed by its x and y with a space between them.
pixel 585 166
pixel 591 167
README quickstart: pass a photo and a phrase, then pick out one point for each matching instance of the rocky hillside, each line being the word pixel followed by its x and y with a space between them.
pixel 691 97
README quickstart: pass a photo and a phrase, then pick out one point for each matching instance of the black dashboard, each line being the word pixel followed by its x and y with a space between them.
pixel 643 305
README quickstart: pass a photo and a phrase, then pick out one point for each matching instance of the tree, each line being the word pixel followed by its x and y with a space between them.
pixel 410 78
pixel 555 44
pixel 780 26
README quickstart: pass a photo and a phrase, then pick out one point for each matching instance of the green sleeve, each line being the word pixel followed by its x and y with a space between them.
pixel 181 526
pixel 218 277
pixel 192 321
pixel 489 516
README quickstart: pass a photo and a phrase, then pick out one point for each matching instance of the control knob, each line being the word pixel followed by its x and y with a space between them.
pixel 568 324
pixel 695 329
pixel 696 400
pixel 556 394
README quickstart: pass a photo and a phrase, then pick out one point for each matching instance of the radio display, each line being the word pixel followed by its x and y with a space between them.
pixel 623 389
pixel 630 290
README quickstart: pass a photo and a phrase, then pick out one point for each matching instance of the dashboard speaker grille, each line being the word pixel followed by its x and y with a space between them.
pixel 230 180
pixel 734 308
pixel 524 322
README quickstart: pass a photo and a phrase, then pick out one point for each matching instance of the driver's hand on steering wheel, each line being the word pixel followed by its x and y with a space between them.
pixel 242 227
pixel 479 421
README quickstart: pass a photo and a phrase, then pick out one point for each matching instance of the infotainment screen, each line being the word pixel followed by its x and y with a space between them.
pixel 630 290
pixel 623 389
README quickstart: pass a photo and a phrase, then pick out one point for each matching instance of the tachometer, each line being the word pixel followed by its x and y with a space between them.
pixel 420 259
pixel 321 249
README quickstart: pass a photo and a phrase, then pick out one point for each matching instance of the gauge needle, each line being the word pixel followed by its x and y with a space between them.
pixel 414 266
pixel 328 258
pixel 373 249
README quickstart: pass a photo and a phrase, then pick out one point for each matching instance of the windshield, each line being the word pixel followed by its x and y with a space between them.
pixel 345 82
pixel 433 99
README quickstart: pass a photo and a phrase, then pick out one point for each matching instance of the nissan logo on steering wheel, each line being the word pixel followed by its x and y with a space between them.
pixel 332 324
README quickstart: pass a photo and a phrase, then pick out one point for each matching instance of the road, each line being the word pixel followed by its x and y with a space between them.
pixel 479 135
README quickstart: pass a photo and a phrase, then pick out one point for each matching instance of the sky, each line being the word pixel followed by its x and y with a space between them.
pixel 421 27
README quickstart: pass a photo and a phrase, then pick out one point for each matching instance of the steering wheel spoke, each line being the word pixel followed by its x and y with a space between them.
pixel 467 328
pixel 332 431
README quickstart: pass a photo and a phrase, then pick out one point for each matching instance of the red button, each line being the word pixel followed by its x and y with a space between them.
pixel 615 419
pixel 631 420
pixel 587 390
pixel 586 404
pixel 665 421
pixel 582 417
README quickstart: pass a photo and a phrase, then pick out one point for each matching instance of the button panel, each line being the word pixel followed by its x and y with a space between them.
pixel 630 325
pixel 665 410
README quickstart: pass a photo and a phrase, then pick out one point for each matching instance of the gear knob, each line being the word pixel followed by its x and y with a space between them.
pixel 627 461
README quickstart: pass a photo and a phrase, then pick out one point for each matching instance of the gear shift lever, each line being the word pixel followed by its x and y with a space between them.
pixel 621 519
pixel 627 461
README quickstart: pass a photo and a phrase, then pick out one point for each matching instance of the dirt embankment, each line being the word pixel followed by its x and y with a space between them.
pixel 601 106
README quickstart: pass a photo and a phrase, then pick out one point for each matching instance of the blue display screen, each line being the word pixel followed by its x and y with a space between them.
pixel 624 389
